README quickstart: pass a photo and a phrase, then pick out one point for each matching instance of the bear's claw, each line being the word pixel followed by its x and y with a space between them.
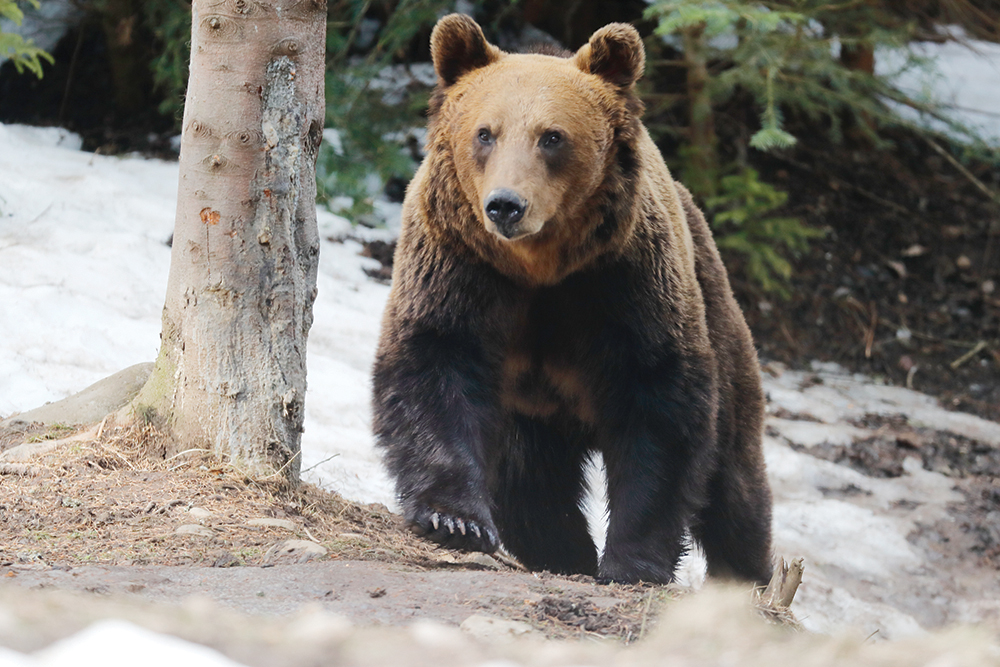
pixel 454 532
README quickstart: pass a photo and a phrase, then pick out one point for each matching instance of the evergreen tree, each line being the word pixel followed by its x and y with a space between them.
pixel 808 57
pixel 813 59
pixel 22 52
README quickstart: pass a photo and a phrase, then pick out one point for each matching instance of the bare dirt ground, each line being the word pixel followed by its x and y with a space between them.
pixel 100 515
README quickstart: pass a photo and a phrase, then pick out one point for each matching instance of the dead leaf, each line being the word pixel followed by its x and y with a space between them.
pixel 898 267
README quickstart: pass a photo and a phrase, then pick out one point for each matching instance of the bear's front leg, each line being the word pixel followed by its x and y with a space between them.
pixel 432 409
pixel 658 454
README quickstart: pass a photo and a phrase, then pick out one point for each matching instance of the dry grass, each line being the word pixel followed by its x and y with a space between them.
pixel 113 499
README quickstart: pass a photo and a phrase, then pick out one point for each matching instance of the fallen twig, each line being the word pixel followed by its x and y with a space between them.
pixel 925 336
pixel 645 614
pixel 784 583
pixel 980 346
pixel 870 332
pixel 310 535
pixel 28 450
pixel 186 451
pixel 867 194
pixel 965 172
pixel 302 472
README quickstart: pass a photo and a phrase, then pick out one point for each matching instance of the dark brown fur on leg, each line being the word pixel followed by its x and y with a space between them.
pixel 734 528
pixel 537 489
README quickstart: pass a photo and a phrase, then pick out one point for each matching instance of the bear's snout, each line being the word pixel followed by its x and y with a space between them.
pixel 505 208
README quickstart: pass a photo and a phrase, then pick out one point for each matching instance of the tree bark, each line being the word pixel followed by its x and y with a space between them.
pixel 703 161
pixel 129 68
pixel 859 57
pixel 231 372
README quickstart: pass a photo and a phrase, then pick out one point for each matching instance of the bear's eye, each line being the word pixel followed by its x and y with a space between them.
pixel 485 136
pixel 551 139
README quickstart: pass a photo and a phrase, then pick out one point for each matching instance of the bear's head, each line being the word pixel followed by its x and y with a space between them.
pixel 536 138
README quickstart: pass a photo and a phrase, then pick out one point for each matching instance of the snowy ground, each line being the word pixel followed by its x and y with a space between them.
pixel 963 75
pixel 83 268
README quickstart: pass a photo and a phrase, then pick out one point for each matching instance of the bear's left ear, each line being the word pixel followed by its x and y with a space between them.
pixel 458 46
pixel 614 53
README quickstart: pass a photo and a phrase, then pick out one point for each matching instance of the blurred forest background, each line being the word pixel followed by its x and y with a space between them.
pixel 860 221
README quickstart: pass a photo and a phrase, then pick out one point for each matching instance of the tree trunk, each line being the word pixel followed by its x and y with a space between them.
pixel 702 159
pixel 231 372
pixel 859 57
pixel 129 68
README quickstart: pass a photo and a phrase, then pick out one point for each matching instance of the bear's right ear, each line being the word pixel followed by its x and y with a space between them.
pixel 458 46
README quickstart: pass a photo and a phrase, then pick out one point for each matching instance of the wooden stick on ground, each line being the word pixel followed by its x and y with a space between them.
pixel 784 583
pixel 961 168
pixel 981 345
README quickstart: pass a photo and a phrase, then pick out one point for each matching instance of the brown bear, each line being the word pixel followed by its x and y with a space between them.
pixel 556 293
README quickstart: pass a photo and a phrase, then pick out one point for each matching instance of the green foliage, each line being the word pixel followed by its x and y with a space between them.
pixel 22 52
pixel 373 104
pixel 785 55
pixel 170 23
pixel 743 226
pixel 771 136
pixel 811 59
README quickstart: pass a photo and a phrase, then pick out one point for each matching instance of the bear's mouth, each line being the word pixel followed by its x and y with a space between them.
pixel 523 230
pixel 512 236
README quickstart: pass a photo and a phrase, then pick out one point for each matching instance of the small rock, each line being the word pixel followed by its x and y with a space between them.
pixel 377 593
pixel 194 529
pixel 300 551
pixel 963 262
pixel 495 629
pixel 226 559
pixel 199 513
pixel 272 523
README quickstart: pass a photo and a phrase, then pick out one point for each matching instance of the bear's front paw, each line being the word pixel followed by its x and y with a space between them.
pixel 453 531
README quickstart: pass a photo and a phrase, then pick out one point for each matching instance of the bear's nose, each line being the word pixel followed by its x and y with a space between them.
pixel 505 208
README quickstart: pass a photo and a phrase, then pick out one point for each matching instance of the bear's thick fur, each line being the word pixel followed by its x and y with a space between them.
pixel 556 293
